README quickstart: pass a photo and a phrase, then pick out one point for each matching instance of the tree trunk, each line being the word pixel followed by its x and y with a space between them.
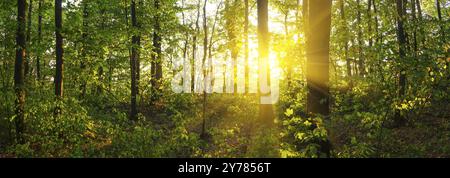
pixel 205 69
pixel 211 70
pixel 27 62
pixel 59 50
pixel 399 120
pixel 38 56
pixel 317 67
pixel 345 43
pixel 133 62
pixel 415 24
pixel 19 70
pixel 360 41
pixel 246 23
pixel 156 67
pixel 266 114
pixel 194 48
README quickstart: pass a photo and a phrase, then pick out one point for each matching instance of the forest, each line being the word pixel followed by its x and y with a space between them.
pixel 224 79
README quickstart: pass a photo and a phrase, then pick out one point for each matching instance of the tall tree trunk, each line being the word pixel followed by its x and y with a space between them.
pixel 399 120
pixel 231 25
pixel 136 38
pixel 59 50
pixel 266 114
pixel 360 41
pixel 246 24
pixel 211 70
pixel 415 24
pixel 345 41
pixel 19 70
pixel 185 49
pixel 38 56
pixel 27 62
pixel 205 69
pixel 318 48
pixel 194 47
pixel 156 67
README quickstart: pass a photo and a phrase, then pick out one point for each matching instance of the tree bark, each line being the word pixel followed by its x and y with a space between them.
pixel 318 48
pixel 27 62
pixel 133 62
pixel 360 41
pixel 345 42
pixel 59 50
pixel 266 114
pixel 399 120
pixel 38 56
pixel 194 48
pixel 318 57
pixel 246 24
pixel 19 71
pixel 205 69
pixel 156 64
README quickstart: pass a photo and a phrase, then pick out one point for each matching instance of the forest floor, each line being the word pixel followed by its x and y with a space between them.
pixel 233 131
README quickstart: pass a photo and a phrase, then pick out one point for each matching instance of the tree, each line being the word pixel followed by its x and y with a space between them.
pixel 59 50
pixel 361 67
pixel 232 24
pixel 194 47
pixel 399 120
pixel 246 23
pixel 345 42
pixel 38 56
pixel 266 114
pixel 156 64
pixel 205 69
pixel 19 70
pixel 317 64
pixel 28 39
pixel 135 45
pixel 318 57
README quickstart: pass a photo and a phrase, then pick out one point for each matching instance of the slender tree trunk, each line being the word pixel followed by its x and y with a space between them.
pixel 266 114
pixel 211 70
pixel 246 24
pixel 29 15
pixel 133 62
pixel 59 50
pixel 19 70
pixel 399 120
pixel 205 69
pixel 286 39
pixel 38 56
pixel 156 64
pixel 415 24
pixel 360 41
pixel 194 48
pixel 318 57
pixel 345 41
pixel 317 76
